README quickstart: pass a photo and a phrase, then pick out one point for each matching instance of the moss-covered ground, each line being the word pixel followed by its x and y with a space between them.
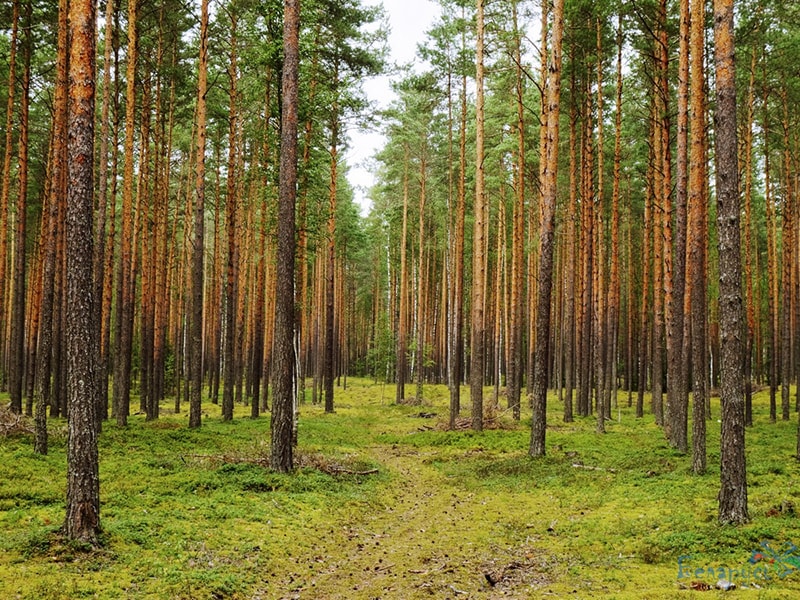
pixel 387 504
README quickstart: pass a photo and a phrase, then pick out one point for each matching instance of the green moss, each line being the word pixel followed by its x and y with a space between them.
pixel 196 514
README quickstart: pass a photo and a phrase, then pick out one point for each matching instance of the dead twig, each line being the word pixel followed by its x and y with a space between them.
pixel 343 471
pixel 13 424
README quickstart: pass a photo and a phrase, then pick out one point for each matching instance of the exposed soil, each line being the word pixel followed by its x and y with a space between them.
pixel 427 540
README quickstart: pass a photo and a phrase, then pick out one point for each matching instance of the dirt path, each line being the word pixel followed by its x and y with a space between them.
pixel 427 539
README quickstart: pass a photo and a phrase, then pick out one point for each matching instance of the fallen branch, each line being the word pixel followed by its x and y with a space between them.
pixel 344 471
pixel 425 415
pixel 13 424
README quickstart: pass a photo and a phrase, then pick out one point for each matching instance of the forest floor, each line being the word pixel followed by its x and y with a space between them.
pixel 388 504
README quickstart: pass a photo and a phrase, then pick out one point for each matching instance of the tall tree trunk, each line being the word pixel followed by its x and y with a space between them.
pixel 644 309
pixel 571 265
pixel 304 304
pixel 457 351
pixel 215 345
pixel 480 234
pixel 4 191
pixel 49 234
pixel 34 304
pixel 788 249
pixel 164 244
pixel 697 234
pixel 499 290
pixel 601 348
pixel 319 315
pixel 535 216
pixel 109 255
pixel 630 306
pixel 677 402
pixel 330 313
pixel 662 273
pixel 283 365
pixel 402 325
pixel 259 312
pixel 733 473
pixel 421 279
pixel 547 235
pixel 17 320
pixel 144 244
pixel 772 268
pixel 615 285
pixel 587 264
pixel 257 364
pixel 198 227
pixel 658 216
pixel 518 239
pixel 182 306
pixel 241 341
pixel 231 206
pixel 58 405
pixel 83 481
pixel 123 344
pixel 747 230
pixel 101 217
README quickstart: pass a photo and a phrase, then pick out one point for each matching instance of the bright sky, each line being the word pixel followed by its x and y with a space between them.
pixel 409 20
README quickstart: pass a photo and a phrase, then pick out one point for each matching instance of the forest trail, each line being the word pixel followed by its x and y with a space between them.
pixel 426 538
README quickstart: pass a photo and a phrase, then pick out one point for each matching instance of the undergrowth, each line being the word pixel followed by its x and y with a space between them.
pixel 385 502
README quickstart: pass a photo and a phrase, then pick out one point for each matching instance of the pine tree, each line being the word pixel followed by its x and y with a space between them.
pixel 549 154
pixel 283 359
pixel 83 481
pixel 733 473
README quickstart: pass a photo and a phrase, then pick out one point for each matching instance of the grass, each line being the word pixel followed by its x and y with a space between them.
pixel 387 504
